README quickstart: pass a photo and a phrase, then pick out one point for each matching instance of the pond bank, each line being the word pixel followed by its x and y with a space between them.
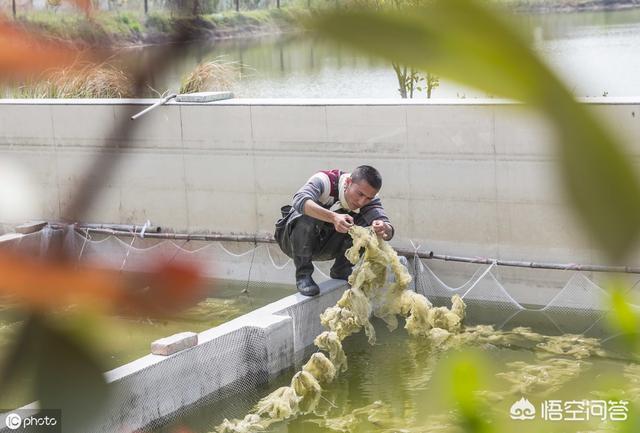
pixel 129 28
pixel 566 6
pixel 135 29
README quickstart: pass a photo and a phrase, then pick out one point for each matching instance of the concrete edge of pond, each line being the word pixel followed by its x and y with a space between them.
pixel 237 355
pixel 310 101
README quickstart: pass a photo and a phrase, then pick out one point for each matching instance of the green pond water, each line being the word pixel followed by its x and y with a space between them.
pixel 401 384
pixel 121 340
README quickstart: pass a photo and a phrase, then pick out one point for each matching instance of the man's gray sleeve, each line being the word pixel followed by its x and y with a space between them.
pixel 374 211
pixel 314 189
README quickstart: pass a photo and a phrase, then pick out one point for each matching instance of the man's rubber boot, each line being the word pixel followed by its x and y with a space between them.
pixel 304 282
pixel 341 268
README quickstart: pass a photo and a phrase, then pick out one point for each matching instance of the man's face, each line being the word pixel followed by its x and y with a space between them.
pixel 359 193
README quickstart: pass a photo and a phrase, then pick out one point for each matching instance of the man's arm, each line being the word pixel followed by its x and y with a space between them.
pixel 341 222
pixel 374 215
pixel 306 199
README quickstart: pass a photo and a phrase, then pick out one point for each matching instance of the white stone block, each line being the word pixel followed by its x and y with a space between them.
pixel 175 343
pixel 201 97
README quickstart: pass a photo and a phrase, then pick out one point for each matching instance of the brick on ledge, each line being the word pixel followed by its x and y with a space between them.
pixel 174 344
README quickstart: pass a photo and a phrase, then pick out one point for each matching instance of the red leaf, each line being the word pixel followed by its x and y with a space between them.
pixel 44 285
pixel 25 53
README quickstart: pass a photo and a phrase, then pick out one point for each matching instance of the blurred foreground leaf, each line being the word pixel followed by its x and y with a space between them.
pixel 26 53
pixel 468 42
pixel 462 375
pixel 62 357
pixel 84 5
pixel 45 285
pixel 623 316
pixel 53 356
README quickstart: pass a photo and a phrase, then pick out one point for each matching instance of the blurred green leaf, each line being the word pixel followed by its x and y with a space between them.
pixel 463 374
pixel 623 317
pixel 20 355
pixel 67 377
pixel 469 42
pixel 632 424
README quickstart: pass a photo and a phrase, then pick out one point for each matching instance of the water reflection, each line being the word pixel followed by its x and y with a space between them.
pixel 595 52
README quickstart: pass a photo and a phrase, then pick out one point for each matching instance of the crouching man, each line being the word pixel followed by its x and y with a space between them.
pixel 315 225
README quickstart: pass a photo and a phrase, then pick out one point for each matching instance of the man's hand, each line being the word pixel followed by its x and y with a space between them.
pixel 342 222
pixel 382 229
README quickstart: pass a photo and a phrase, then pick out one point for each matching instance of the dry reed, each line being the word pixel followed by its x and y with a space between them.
pixel 213 75
pixel 85 81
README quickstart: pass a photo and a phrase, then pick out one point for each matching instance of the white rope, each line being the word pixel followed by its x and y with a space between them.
pixel 233 254
pixel 417 262
pixel 85 238
pixel 124 261
pixel 508 319
pixel 274 263
pixel 144 228
pixel 197 250
pixel 499 285
pixel 553 322
pixel 321 273
pixel 566 287
pixel 472 284
pixel 101 240
pixel 479 274
pixel 486 271
pixel 130 245
pixel 461 287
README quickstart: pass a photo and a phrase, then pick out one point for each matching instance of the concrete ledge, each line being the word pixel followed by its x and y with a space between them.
pixel 31 227
pixel 312 101
pixel 10 238
pixel 235 356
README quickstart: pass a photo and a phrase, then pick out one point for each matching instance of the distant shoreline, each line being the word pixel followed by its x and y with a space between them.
pixel 133 29
pixel 568 6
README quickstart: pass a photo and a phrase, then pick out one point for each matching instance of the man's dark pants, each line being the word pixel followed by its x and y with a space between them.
pixel 305 239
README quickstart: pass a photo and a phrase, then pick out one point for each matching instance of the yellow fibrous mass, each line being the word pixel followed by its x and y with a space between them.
pixel 370 294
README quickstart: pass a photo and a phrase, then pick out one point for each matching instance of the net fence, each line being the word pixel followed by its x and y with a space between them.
pixel 574 301
pixel 571 302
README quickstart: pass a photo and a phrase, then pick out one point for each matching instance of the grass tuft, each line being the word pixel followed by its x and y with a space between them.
pixel 79 81
pixel 213 75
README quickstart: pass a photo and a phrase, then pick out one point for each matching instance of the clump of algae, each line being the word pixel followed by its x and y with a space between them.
pixel 544 378
pixel 371 414
pixel 350 315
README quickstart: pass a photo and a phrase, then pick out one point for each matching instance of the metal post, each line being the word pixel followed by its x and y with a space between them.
pixel 237 5
pixel 13 7
pixel 146 6
pixel 156 105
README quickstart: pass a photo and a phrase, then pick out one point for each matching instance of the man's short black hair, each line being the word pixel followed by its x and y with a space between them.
pixel 368 174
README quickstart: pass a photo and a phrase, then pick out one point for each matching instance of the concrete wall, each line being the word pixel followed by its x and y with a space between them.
pixel 460 177
pixel 258 346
